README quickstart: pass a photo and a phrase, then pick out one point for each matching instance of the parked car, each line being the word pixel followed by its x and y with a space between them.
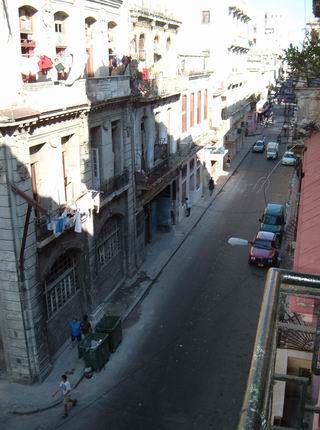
pixel 264 249
pixel 272 150
pixel 258 146
pixel 289 159
pixel 273 219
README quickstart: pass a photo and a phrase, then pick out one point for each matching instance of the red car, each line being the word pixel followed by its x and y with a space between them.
pixel 264 249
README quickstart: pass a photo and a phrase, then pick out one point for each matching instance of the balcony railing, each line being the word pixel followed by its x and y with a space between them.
pixel 114 184
pixel 106 88
pixel 158 87
pixel 165 169
pixel 286 294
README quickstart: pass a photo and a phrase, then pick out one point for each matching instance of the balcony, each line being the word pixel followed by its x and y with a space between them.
pixel 288 331
pixel 107 88
pixel 155 88
pixel 114 186
pixel 51 96
pixel 157 178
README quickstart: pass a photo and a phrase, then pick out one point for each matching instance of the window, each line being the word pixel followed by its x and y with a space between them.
pixel 111 31
pixel 29 69
pixel 109 246
pixel 60 284
pixel 205 17
pixel 95 136
pixel 89 32
pixel 67 161
pixel 184 114
pixel 205 107
pixel 156 44
pixel 95 168
pixel 25 19
pixel 142 52
pixel 59 26
pixel 199 108
pixel 192 110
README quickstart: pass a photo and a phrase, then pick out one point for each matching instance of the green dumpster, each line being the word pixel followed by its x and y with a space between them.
pixel 94 349
pixel 113 326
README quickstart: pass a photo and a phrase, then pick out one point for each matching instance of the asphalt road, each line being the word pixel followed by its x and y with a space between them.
pixel 194 332
pixel 187 347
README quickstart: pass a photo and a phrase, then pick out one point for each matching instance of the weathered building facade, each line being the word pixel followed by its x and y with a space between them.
pixel 67 205
pixel 100 140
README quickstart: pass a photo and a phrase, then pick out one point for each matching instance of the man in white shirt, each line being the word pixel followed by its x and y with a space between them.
pixel 188 206
pixel 66 392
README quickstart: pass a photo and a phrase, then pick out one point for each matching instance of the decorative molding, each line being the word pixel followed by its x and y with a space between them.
pixel 110 3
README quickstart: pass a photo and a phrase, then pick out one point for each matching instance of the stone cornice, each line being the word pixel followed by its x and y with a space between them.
pixel 110 3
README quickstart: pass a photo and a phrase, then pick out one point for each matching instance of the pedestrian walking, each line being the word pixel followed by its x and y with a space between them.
pixel 66 393
pixel 75 329
pixel 188 205
pixel 228 160
pixel 211 186
pixel 85 326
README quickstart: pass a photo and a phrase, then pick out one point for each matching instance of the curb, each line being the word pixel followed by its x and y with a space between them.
pixel 45 408
pixel 152 281
pixel 146 290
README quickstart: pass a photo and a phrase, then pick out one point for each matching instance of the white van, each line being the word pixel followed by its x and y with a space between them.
pixel 272 150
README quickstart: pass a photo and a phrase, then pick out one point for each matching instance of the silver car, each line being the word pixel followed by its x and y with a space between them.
pixel 289 159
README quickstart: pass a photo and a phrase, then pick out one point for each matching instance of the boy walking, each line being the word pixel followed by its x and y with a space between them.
pixel 66 392
pixel 188 206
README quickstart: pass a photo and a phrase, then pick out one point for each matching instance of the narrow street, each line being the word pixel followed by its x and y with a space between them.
pixel 184 360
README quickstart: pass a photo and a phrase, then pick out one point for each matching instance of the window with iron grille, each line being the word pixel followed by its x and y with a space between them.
pixel 110 244
pixel 60 284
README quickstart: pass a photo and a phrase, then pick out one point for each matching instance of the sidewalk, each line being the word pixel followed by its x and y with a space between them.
pixel 25 399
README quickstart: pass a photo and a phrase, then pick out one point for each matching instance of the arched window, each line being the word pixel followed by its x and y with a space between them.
pixel 168 43
pixel 60 22
pixel 156 44
pixel 29 68
pixel 61 283
pixel 142 52
pixel 26 14
pixel 89 32
pixel 111 30
pixel 156 49
pixel 89 29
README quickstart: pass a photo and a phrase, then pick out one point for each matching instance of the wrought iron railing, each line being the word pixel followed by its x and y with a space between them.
pixel 256 412
pixel 114 184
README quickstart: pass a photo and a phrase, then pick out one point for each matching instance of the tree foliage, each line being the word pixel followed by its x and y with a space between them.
pixel 305 62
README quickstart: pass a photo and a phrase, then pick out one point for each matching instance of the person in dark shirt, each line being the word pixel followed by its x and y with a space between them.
pixel 211 186
pixel 85 326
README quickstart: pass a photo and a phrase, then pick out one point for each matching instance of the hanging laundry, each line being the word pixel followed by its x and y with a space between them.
pixel 45 64
pixel 96 200
pixel 77 224
pixel 28 65
pixel 59 225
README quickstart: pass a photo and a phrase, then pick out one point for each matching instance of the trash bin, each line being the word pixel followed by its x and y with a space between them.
pixel 113 326
pixel 94 349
